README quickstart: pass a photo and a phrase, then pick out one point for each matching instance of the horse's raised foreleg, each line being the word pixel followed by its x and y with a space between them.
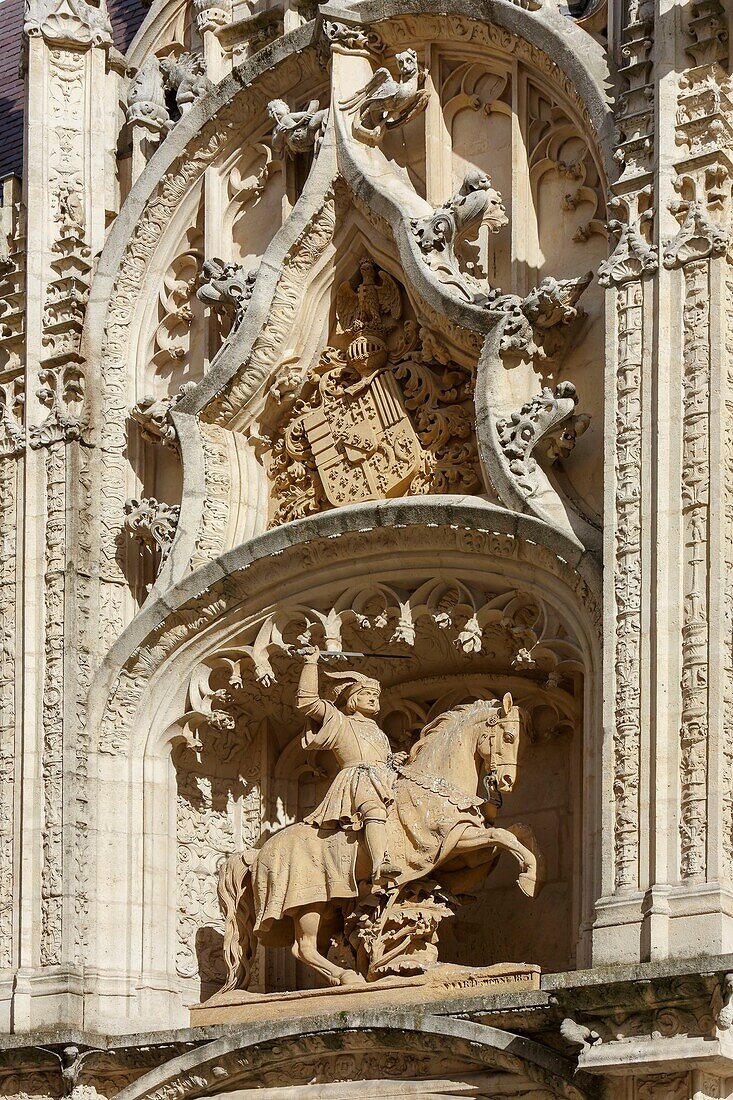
pixel 477 838
pixel 307 922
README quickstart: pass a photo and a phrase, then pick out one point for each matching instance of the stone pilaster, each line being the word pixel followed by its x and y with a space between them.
pixel 66 67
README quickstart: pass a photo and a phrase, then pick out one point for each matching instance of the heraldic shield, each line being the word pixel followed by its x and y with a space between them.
pixel 363 442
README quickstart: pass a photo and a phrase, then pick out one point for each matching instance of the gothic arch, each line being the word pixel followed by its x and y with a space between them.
pixel 155 700
pixel 199 140
pixel 289 1053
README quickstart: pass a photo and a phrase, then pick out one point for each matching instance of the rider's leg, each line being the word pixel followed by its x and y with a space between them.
pixel 375 837
pixel 305 948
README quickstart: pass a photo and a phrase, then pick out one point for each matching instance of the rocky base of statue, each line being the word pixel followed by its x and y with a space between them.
pixel 442 982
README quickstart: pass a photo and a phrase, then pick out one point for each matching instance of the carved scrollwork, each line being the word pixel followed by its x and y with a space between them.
pixel 439 235
pixel 152 522
pixel 548 420
pixel 171 351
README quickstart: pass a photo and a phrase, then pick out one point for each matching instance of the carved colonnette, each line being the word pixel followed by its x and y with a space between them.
pixel 12 449
pixel 700 252
pixel 627 273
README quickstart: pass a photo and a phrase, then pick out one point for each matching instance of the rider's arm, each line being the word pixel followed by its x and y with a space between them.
pixel 307 699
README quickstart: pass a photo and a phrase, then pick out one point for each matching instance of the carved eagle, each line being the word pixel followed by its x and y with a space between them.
pixel 375 304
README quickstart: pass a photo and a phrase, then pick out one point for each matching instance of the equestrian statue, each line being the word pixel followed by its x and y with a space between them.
pixel 357 889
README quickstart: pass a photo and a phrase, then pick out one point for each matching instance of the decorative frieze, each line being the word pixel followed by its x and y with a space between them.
pixel 627 564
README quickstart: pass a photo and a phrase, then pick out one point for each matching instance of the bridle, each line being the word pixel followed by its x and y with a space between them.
pixel 491 778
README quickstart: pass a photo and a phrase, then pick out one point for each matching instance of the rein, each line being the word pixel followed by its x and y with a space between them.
pixel 491 779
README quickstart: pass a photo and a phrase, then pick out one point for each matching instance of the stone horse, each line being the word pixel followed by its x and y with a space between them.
pixel 293 890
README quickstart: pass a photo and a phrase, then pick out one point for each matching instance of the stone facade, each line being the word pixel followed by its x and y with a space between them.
pixel 394 337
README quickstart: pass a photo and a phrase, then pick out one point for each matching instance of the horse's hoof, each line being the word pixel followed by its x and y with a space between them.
pixel 350 977
pixel 527 883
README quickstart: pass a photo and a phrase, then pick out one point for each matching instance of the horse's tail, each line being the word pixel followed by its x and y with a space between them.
pixel 237 903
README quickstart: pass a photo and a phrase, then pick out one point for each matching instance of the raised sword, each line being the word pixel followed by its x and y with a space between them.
pixel 326 653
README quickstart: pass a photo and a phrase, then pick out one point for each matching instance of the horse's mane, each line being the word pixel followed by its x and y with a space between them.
pixel 447 723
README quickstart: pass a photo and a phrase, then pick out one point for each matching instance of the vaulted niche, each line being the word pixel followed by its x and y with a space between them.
pixel 496 616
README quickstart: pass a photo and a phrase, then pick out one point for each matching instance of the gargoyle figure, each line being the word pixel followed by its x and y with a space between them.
pixel 226 287
pixel 186 76
pixel 296 131
pixel 554 301
pixel 476 203
pixel 386 102
pixel 146 97
pixel 153 416
pixel 547 419
pixel 537 325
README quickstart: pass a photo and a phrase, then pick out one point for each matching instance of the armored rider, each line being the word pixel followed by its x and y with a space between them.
pixel 361 794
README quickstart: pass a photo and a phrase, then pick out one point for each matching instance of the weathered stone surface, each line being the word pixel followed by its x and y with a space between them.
pixel 392 340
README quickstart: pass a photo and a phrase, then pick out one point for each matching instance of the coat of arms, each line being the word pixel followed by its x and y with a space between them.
pixel 362 440
pixel 376 416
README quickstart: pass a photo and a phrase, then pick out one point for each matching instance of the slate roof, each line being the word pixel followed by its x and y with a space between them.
pixel 11 88
pixel 126 16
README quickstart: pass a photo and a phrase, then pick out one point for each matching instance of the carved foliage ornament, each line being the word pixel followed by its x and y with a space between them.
pixel 439 235
pixel 698 238
pixel 548 420
pixel 152 523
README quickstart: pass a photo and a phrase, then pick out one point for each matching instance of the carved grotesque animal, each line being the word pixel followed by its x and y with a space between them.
pixel 226 286
pixel 186 76
pixel 388 101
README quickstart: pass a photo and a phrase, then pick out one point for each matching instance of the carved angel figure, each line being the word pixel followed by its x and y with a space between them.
pixel 375 305
pixel 386 101
pixel 296 131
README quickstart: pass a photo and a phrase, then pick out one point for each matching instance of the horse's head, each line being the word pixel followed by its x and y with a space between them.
pixel 498 745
